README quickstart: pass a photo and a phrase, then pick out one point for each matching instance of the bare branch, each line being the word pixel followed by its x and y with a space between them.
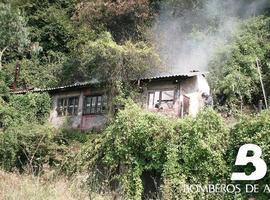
pixel 1 55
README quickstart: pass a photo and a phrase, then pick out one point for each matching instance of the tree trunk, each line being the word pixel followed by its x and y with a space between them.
pixel 1 55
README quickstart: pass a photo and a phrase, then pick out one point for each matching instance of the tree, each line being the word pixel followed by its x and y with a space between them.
pixel 51 28
pixel 234 75
pixel 13 32
pixel 102 59
pixel 125 20
pixel 50 31
pixel 35 72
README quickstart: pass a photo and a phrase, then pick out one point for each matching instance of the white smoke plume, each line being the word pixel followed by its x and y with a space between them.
pixel 187 41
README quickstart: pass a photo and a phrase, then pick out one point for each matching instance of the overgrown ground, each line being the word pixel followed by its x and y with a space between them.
pixel 14 186
pixel 114 164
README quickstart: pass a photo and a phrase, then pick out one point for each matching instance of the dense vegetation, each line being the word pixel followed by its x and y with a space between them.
pixel 140 154
pixel 140 143
pixel 200 150
pixel 63 41
pixel 235 77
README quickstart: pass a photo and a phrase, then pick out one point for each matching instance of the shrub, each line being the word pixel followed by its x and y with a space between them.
pixel 29 147
pixel 32 106
pixel 203 141
pixel 139 143
pixel 135 142
pixel 254 129
pixel 196 155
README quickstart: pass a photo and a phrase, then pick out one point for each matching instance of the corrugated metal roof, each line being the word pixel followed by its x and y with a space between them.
pixel 94 81
pixel 78 84
pixel 172 75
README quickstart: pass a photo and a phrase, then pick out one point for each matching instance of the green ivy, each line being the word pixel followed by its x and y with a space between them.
pixel 181 151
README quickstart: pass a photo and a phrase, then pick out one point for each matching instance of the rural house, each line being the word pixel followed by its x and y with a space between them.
pixel 83 105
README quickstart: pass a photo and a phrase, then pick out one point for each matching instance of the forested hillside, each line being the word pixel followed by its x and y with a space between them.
pixel 66 41
pixel 58 42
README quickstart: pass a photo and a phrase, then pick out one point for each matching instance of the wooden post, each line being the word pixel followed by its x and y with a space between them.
pixel 259 71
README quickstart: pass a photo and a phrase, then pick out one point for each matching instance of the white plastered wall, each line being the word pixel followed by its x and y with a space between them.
pixel 193 88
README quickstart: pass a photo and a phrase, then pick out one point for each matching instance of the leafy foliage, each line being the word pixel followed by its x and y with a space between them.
pixel 252 130
pixel 36 73
pixel 16 151
pixel 124 19
pixel 236 76
pixel 196 155
pixel 24 109
pixel 34 148
pixel 105 61
pixel 65 41
pixel 137 141
pixel 22 143
pixel 3 84
pixel 13 33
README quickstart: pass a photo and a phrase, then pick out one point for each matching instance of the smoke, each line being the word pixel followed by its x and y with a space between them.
pixel 188 40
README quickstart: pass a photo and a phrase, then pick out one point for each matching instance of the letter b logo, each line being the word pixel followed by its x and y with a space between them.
pixel 242 159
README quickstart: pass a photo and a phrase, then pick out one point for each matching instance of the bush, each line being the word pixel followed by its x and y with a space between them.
pixel 135 142
pixel 196 155
pixel 27 143
pixel 28 147
pixel 20 109
pixel 140 144
pixel 32 106
pixel 254 129
pixel 31 147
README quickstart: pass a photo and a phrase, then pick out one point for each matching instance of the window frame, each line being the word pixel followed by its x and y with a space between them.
pixel 95 109
pixel 65 104
pixel 159 101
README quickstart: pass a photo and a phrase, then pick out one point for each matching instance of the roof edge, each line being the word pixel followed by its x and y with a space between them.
pixel 91 83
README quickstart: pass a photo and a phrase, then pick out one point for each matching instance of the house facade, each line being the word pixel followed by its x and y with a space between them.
pixel 83 105
pixel 176 95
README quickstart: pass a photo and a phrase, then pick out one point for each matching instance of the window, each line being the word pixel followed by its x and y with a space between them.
pixel 94 104
pixel 167 95
pixel 151 101
pixel 67 106
pixel 158 98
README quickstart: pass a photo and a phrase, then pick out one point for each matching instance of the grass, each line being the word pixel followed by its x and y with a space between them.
pixel 24 187
pixel 15 186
